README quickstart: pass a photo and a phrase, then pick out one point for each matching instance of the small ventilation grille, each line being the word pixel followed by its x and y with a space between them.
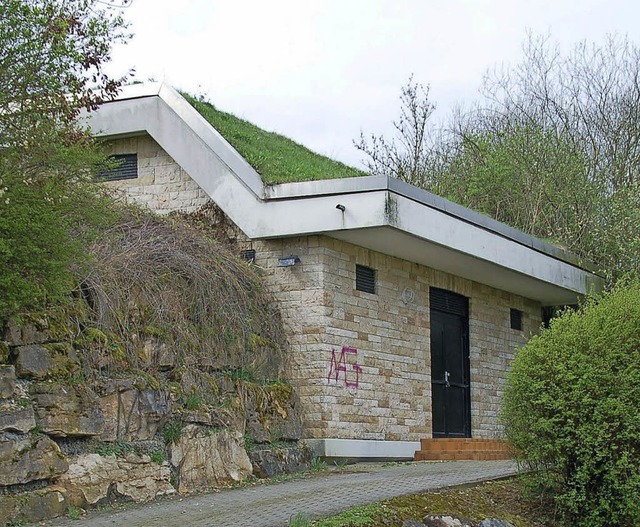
pixel 448 302
pixel 365 279
pixel 516 319
pixel 126 167
pixel 249 255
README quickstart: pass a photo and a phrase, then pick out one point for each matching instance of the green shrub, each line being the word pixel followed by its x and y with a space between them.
pixel 45 226
pixel 52 56
pixel 172 432
pixel 193 401
pixel 158 456
pixel 571 410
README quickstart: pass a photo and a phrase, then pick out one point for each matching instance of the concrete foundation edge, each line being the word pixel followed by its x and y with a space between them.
pixel 363 449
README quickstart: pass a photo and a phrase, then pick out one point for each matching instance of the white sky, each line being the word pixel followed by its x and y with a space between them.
pixel 320 71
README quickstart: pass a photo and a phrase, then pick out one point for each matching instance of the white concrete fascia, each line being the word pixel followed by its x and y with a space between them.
pixel 363 449
pixel 296 209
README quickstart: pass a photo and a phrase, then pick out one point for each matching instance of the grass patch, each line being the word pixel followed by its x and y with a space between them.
pixel 249 443
pixel 74 513
pixel 318 464
pixel 241 374
pixel 118 448
pixel 158 456
pixel 364 515
pixel 276 158
pixel 172 432
pixel 299 520
pixel 341 464
pixel 193 401
pixel 504 499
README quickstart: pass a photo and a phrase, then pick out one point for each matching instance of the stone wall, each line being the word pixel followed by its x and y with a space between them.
pixel 360 362
pixel 73 437
pixel 162 185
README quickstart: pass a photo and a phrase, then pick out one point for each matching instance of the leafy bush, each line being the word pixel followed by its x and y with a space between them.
pixel 52 55
pixel 46 224
pixel 571 410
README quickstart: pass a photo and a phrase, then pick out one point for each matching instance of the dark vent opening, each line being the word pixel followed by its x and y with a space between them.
pixel 249 255
pixel 365 279
pixel 126 167
pixel 448 302
pixel 516 319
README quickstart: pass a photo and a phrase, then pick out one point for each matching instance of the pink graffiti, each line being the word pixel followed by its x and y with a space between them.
pixel 340 365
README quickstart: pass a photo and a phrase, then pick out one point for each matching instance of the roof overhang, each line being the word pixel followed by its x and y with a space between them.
pixel 382 214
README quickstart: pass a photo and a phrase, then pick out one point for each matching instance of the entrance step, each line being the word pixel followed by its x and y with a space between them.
pixel 451 449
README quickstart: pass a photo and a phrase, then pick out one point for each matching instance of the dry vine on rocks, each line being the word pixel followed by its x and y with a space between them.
pixel 160 285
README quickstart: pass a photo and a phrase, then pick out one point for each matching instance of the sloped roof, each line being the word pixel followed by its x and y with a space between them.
pixel 276 158
pixel 379 213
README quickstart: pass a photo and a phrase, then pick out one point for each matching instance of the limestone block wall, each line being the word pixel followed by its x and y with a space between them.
pixel 492 347
pixel 360 362
pixel 162 185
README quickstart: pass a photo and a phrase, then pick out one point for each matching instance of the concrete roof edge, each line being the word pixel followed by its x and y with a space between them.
pixel 488 223
pixel 336 187
pixel 207 133
pixel 200 126
pixel 136 91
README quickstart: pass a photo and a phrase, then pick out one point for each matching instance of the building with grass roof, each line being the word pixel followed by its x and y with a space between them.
pixel 403 310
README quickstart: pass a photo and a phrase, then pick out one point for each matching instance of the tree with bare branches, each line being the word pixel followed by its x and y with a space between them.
pixel 406 156
pixel 552 148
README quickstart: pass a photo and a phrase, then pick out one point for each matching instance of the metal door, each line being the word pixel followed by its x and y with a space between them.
pixel 450 396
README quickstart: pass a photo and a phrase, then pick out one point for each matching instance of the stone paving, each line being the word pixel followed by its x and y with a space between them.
pixel 319 496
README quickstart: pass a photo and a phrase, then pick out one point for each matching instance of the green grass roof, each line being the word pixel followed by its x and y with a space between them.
pixel 276 158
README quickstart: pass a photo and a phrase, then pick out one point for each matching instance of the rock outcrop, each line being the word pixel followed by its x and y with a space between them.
pixel 91 477
pixel 8 381
pixel 270 417
pixel 66 442
pixel 204 458
pixel 64 410
pixel 33 361
pixel 29 458
pixel 131 414
pixel 268 463
pixel 14 418
pixel 33 506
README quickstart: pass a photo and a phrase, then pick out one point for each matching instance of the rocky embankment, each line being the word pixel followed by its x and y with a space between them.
pixel 72 440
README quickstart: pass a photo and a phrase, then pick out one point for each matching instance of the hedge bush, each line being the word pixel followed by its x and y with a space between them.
pixel 572 410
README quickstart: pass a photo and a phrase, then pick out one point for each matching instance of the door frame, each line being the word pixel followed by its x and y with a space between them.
pixel 452 304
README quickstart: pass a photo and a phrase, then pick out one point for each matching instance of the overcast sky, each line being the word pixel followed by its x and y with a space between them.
pixel 320 71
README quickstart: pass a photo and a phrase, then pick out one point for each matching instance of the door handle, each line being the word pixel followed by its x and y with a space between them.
pixel 446 379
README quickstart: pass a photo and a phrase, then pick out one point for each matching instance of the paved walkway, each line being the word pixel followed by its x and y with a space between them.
pixel 319 496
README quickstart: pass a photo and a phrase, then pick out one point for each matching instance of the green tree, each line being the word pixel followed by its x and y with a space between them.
pixel 52 54
pixel 571 410
pixel 522 178
pixel 552 148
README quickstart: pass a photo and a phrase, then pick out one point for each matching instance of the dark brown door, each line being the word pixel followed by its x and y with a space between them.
pixel 450 364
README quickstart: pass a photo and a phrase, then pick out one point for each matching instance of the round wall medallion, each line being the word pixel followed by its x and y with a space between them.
pixel 408 295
